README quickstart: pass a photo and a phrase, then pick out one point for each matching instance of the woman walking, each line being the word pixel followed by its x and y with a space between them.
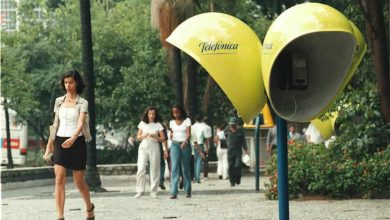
pixel 68 135
pixel 180 150
pixel 222 155
pixel 150 133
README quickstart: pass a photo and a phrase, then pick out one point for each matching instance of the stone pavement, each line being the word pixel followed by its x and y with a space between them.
pixel 212 199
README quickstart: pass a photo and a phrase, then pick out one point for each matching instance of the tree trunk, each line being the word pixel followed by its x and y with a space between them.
pixel 376 36
pixel 92 175
pixel 207 94
pixel 185 88
pixel 176 69
pixel 192 87
pixel 210 81
pixel 10 164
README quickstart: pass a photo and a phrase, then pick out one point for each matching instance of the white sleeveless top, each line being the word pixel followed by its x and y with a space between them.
pixel 68 117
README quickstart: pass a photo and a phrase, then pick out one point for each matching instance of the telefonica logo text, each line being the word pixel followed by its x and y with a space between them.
pixel 218 47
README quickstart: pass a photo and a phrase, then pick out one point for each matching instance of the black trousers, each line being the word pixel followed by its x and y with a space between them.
pixel 235 169
pixel 192 167
pixel 162 165
pixel 206 166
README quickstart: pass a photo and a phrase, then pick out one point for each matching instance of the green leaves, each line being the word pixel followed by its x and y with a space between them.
pixel 129 62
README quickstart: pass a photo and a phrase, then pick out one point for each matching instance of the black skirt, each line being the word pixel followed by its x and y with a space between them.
pixel 75 157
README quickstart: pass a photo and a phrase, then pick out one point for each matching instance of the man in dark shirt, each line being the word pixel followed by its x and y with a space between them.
pixel 235 138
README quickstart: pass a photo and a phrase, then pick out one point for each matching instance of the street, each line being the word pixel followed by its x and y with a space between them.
pixel 212 199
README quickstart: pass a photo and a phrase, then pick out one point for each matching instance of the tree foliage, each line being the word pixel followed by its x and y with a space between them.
pixel 129 63
pixel 131 70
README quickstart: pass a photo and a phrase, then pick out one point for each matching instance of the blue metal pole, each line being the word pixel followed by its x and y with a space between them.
pixel 257 152
pixel 282 168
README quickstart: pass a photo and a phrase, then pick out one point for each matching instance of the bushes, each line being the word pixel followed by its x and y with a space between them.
pixel 117 155
pixel 313 170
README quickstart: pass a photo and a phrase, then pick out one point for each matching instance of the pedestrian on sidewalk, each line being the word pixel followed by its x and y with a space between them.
pixel 236 144
pixel 220 142
pixel 313 135
pixel 180 150
pixel 66 146
pixel 197 139
pixel 164 156
pixel 207 136
pixel 271 140
pixel 150 133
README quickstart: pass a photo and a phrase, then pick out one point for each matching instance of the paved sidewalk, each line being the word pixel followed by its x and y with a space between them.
pixel 212 199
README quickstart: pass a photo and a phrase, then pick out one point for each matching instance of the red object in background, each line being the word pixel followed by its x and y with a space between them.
pixel 31 144
pixel 23 151
pixel 291 142
pixel 15 143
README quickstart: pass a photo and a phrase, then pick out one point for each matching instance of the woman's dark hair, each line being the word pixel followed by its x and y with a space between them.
pixel 221 126
pixel 80 85
pixel 199 117
pixel 183 114
pixel 145 115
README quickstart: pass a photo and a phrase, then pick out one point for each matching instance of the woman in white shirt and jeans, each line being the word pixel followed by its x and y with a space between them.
pixel 180 150
pixel 150 132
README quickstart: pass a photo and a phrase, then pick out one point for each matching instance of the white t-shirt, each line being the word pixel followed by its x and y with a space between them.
pixel 179 131
pixel 221 136
pixel 197 133
pixel 150 128
pixel 313 134
pixel 207 130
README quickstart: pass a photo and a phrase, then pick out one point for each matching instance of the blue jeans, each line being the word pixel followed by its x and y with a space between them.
pixel 183 157
pixel 198 163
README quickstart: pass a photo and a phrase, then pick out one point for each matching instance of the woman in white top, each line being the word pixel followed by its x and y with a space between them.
pixel 180 150
pixel 150 132
pixel 220 141
pixel 67 141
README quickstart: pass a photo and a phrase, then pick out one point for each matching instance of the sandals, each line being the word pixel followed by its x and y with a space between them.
pixel 91 210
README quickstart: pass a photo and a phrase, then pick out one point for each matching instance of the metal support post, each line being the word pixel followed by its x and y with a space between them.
pixel 257 152
pixel 282 168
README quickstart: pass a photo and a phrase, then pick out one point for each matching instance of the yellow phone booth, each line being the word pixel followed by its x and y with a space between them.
pixel 230 51
pixel 309 54
pixel 326 127
pixel 268 121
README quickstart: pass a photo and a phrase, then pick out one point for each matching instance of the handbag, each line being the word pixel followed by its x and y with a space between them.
pixel 223 143
pixel 49 159
pixel 246 159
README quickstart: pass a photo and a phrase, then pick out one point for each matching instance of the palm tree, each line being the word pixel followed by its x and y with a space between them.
pixel 92 174
pixel 166 15
pixel 192 86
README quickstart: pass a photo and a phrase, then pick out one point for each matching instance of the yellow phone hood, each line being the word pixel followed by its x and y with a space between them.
pixel 360 49
pixel 326 127
pixel 326 44
pixel 230 51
